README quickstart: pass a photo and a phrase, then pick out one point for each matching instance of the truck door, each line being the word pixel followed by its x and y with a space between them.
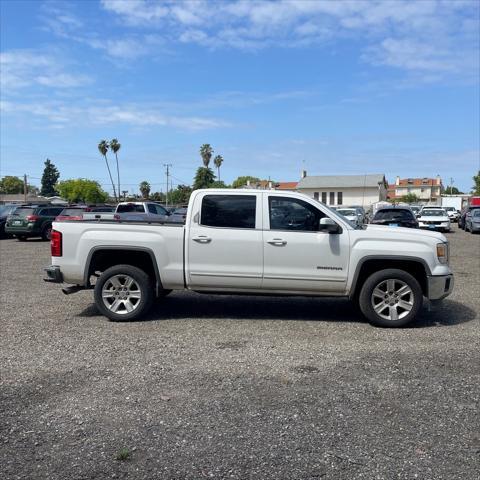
pixel 298 256
pixel 224 246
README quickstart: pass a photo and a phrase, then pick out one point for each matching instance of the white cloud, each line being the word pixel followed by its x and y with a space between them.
pixel 24 68
pixel 135 115
pixel 436 36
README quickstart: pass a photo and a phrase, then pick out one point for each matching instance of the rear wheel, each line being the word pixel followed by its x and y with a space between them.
pixel 123 293
pixel 47 232
pixel 390 298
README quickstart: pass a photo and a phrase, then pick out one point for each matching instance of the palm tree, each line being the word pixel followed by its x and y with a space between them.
pixel 144 189
pixel 103 149
pixel 217 161
pixel 115 147
pixel 206 152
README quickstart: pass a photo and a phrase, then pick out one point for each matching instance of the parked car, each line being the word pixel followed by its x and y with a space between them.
pixel 178 215
pixel 472 221
pixel 77 212
pixel 141 211
pixel 434 218
pixel 395 217
pixel 452 213
pixel 5 211
pixel 362 215
pixel 32 221
pixel 463 214
pixel 254 242
pixel 351 214
pixel 415 209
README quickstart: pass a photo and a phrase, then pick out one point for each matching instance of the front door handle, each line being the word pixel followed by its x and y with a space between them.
pixel 278 242
pixel 202 239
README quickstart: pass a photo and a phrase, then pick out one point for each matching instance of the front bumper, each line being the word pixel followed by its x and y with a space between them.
pixel 432 226
pixel 439 287
pixel 54 275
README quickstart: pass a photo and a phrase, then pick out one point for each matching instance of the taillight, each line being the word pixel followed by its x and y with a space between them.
pixel 32 218
pixel 56 243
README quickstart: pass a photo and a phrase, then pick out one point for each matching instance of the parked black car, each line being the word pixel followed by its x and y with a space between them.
pixel 5 211
pixel 395 217
pixel 32 221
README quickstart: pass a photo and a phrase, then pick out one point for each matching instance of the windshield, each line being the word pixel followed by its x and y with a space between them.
pixel 439 212
pixel 450 209
pixel 23 212
pixel 476 213
pixel 400 214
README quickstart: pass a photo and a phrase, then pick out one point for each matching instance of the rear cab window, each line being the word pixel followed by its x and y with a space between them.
pixel 131 207
pixel 229 211
pixel 400 214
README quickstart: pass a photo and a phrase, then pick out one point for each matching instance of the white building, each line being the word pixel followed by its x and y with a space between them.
pixel 363 190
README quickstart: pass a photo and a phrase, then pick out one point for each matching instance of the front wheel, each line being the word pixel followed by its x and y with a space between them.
pixel 390 298
pixel 123 293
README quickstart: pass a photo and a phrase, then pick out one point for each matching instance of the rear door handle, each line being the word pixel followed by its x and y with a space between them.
pixel 202 239
pixel 278 242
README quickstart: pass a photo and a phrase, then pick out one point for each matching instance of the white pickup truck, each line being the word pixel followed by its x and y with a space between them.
pixel 252 242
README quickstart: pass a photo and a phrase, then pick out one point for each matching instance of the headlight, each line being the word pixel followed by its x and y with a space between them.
pixel 442 252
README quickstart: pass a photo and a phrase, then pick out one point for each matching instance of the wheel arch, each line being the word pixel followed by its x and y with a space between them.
pixel 417 267
pixel 102 257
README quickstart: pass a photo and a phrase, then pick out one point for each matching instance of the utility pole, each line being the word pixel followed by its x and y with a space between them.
pixel 167 165
pixel 25 187
pixel 451 185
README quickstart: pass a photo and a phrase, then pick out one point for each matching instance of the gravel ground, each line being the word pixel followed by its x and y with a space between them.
pixel 235 387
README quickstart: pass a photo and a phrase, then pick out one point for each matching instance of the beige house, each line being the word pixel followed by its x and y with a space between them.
pixel 337 190
pixel 428 190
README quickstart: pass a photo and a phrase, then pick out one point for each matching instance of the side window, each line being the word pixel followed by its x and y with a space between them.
pixel 229 211
pixel 160 210
pixel 324 198
pixel 332 198
pixel 293 214
pixel 339 198
pixel 151 208
pixel 43 212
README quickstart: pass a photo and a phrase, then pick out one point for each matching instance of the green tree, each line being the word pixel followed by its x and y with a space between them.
pixel 476 184
pixel 206 152
pixel 409 198
pixel 217 161
pixel 115 147
pixel 180 195
pixel 81 190
pixel 204 178
pixel 103 149
pixel 144 188
pixel 49 179
pixel 452 191
pixel 158 197
pixel 241 181
pixel 219 184
pixel 10 184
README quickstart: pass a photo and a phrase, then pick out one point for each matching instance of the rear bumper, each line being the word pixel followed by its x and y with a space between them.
pixel 439 287
pixel 53 274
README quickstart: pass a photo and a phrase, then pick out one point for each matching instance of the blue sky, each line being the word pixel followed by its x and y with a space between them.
pixel 333 87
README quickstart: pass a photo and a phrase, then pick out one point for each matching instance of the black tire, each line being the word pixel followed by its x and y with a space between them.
pixel 47 232
pixel 21 238
pixel 143 287
pixel 367 298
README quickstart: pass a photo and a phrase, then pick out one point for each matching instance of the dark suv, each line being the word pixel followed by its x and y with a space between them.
pixel 395 217
pixel 32 221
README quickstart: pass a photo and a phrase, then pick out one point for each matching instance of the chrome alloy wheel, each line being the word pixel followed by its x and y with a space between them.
pixel 121 294
pixel 392 299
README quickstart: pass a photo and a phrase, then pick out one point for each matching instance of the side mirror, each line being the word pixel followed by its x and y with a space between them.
pixel 329 226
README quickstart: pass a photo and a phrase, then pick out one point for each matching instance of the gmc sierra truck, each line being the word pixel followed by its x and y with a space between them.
pixel 252 242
